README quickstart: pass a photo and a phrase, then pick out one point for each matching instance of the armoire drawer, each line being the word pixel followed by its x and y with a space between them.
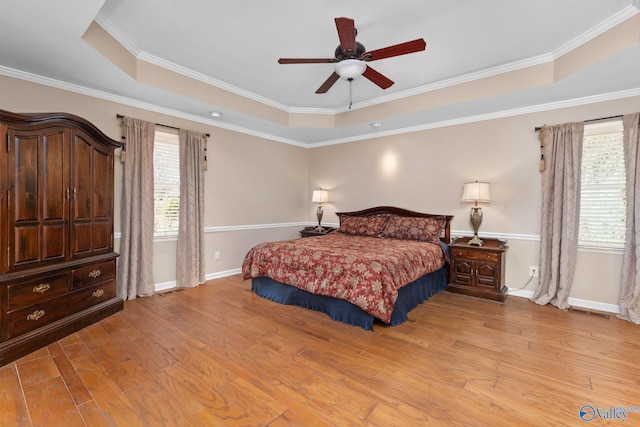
pixel 93 274
pixel 34 291
pixel 37 315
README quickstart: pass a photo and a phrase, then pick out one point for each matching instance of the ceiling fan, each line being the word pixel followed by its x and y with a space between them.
pixel 350 57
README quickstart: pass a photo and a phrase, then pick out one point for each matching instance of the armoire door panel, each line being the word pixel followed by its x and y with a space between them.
pixel 82 177
pixel 54 237
pixel 37 196
pixel 101 187
pixel 92 207
pixel 102 237
pixel 23 184
pixel 54 183
pixel 25 245
pixel 81 237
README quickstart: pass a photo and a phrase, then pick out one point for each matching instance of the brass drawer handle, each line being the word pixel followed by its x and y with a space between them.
pixel 36 315
pixel 41 288
pixel 98 293
pixel 95 273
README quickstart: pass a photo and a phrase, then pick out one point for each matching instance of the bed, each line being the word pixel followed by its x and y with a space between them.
pixel 377 267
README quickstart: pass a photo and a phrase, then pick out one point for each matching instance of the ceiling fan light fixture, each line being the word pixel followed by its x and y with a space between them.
pixel 350 68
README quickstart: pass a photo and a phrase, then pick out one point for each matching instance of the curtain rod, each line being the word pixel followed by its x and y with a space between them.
pixel 619 116
pixel 120 116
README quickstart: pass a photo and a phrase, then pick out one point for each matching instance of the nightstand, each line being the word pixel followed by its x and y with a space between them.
pixel 311 231
pixel 478 270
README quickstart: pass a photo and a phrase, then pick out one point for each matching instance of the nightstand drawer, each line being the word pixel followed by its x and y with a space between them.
pixel 475 254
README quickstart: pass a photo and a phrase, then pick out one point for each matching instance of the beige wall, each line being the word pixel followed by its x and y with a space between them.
pixel 425 171
pixel 250 181
pixel 253 182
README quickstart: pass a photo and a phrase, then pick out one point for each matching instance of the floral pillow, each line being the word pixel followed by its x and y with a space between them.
pixel 362 225
pixel 415 228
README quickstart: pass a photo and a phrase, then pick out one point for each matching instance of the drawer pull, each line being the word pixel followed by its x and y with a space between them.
pixel 36 315
pixel 41 288
pixel 95 273
pixel 98 293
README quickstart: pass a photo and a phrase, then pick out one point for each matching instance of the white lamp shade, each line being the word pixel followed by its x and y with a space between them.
pixel 320 196
pixel 476 192
pixel 350 68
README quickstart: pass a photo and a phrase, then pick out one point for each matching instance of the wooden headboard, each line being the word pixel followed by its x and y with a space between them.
pixel 390 210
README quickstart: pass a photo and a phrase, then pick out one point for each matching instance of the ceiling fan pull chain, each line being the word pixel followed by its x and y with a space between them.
pixel 350 93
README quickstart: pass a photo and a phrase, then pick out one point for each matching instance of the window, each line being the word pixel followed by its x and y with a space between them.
pixel 602 193
pixel 166 177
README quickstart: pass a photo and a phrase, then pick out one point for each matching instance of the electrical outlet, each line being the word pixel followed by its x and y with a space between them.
pixel 533 270
pixel 216 255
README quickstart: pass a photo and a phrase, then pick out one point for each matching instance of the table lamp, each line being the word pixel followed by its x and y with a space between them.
pixel 320 197
pixel 476 192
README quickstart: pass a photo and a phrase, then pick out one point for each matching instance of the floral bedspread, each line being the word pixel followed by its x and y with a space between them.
pixel 366 271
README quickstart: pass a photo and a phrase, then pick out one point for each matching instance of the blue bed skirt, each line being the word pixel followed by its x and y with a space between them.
pixel 409 297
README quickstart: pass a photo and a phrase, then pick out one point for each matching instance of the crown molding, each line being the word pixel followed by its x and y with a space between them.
pixel 599 29
pixel 46 81
pixel 588 35
pixel 489 116
pixel 117 35
pixel 58 84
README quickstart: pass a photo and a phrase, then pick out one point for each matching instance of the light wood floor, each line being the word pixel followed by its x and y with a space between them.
pixel 218 355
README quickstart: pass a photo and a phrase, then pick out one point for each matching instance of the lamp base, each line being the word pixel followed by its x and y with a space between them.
pixel 475 241
pixel 319 213
pixel 476 220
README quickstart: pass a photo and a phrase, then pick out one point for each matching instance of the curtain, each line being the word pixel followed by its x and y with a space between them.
pixel 562 151
pixel 190 257
pixel 135 265
pixel 630 287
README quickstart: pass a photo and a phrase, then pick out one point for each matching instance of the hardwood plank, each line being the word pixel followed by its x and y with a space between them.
pixel 35 371
pixel 129 374
pixel 50 404
pixel 158 405
pixel 294 419
pixel 102 345
pixel 180 394
pixel 93 416
pixel 13 409
pixel 216 409
pixel 75 385
pixel 112 402
pixel 220 355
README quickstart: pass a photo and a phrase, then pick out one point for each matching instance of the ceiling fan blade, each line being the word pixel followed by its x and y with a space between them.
pixel 347 34
pixel 377 78
pixel 328 83
pixel 395 50
pixel 306 60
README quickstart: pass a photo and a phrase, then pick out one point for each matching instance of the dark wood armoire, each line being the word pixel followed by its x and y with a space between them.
pixel 57 264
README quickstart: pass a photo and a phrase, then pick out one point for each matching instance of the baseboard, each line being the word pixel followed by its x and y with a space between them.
pixel 220 274
pixel 575 302
pixel 160 287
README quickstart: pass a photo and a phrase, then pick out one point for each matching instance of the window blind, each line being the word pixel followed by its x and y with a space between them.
pixel 602 192
pixel 166 175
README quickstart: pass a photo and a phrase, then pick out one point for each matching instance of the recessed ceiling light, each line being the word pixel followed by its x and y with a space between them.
pixel 376 125
pixel 216 114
